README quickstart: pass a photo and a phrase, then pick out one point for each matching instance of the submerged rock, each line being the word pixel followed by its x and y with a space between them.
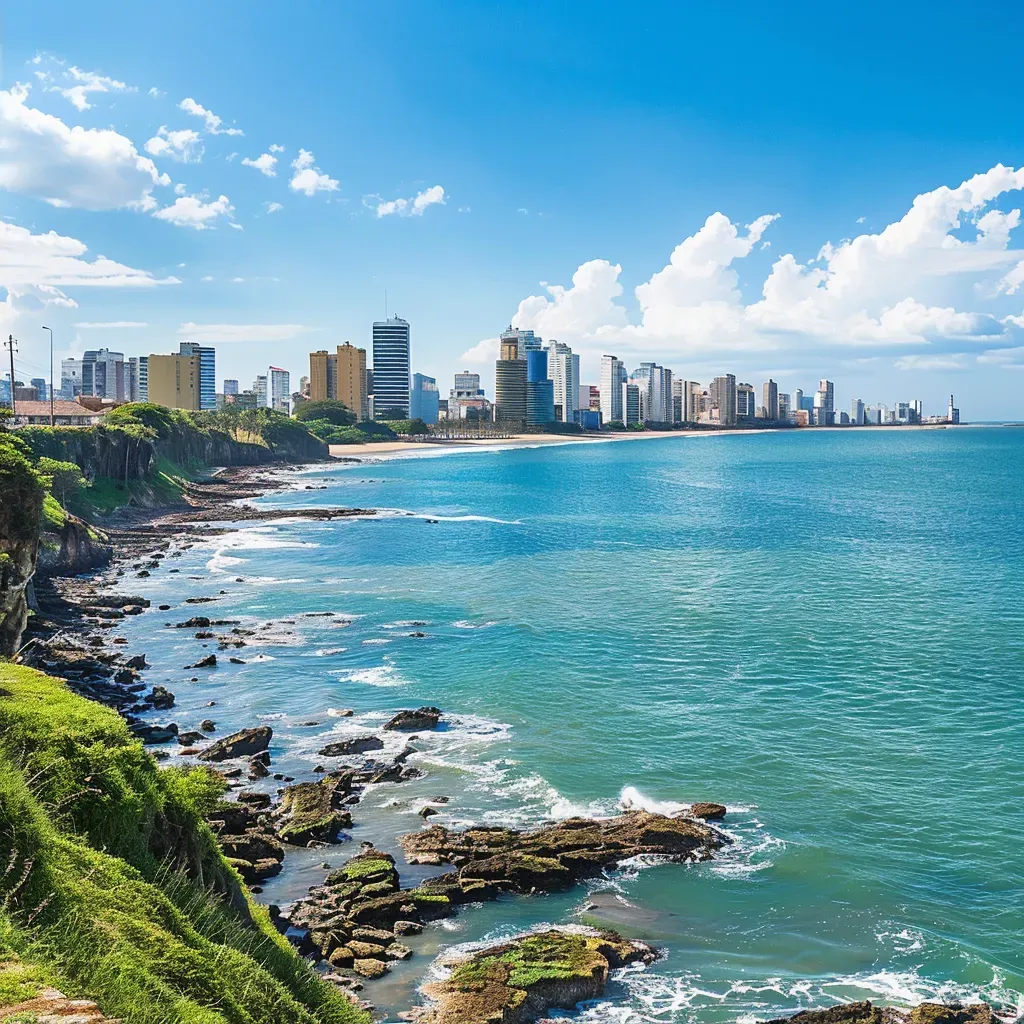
pixel 355 745
pixel 520 980
pixel 239 744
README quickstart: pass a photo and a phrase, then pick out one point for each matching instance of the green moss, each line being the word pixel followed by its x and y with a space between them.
pixel 549 956
pixel 115 887
pixel 370 866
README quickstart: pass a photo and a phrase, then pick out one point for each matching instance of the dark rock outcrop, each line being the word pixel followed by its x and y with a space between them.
pixel 708 811
pixel 239 744
pixel 865 1012
pixel 493 860
pixel 520 980
pixel 354 915
pixel 421 720
pixel 314 811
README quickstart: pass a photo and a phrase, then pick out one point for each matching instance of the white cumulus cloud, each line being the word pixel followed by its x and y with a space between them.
pixel 308 178
pixel 413 207
pixel 264 163
pixel 184 145
pixel 214 124
pixel 196 211
pixel 78 84
pixel 88 168
pixel 902 287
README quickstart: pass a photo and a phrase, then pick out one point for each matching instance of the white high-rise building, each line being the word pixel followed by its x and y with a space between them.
pixel 259 386
pixel 857 412
pixel 722 397
pixel 70 378
pixel 613 374
pixel 280 389
pixel 391 368
pixel 824 404
pixel 564 372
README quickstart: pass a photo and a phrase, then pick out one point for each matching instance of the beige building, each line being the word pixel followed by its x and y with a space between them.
pixel 339 376
pixel 174 381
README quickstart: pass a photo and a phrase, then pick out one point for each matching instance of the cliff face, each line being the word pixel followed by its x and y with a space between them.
pixel 20 512
pixel 77 548
pixel 17 564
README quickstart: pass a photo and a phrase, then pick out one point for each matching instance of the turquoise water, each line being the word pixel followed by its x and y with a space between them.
pixel 823 630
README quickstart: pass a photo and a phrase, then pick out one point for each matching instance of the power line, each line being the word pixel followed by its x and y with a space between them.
pixel 12 346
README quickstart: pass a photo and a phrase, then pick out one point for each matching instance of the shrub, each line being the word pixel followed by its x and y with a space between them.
pixel 334 412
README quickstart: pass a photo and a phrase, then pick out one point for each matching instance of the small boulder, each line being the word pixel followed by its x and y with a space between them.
pixel 210 661
pixel 161 698
pixel 369 968
pixel 208 725
pixel 708 811
pixel 425 718
pixel 244 743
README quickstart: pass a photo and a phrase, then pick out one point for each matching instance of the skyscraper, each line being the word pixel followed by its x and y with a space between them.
pixel 207 371
pixel 857 412
pixel 103 374
pixel 280 389
pixel 423 398
pixel 259 387
pixel 540 390
pixel 174 381
pixel 770 399
pixel 510 380
pixel 70 378
pixel 230 387
pixel 824 407
pixel 798 400
pixel 323 376
pixel 746 402
pixel 136 384
pixel 391 353
pixel 631 411
pixel 952 413
pixel 350 386
pixel 564 371
pixel 613 373
pixel 722 397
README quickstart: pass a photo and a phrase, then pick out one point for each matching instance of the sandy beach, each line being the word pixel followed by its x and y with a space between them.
pixel 379 448
pixel 517 441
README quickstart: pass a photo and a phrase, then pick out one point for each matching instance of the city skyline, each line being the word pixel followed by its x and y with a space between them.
pixel 700 227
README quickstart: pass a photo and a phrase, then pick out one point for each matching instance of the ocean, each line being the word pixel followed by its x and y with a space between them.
pixel 823 630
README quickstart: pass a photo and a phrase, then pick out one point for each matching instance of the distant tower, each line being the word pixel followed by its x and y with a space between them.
pixel 952 413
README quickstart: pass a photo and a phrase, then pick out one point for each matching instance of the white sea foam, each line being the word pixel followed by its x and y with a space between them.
pixel 378 675
pixel 466 624
pixel 254 538
pixel 377 641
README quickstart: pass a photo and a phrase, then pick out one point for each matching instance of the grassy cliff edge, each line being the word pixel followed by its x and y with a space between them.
pixel 112 887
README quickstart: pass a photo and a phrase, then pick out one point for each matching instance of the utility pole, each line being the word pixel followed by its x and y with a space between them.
pixel 11 345
pixel 51 373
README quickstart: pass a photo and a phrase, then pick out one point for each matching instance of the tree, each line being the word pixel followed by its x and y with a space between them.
pixel 65 477
pixel 334 412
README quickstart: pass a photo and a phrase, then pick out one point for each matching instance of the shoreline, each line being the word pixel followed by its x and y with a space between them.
pixel 352 452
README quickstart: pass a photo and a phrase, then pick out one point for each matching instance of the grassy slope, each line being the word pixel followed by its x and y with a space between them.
pixel 108 879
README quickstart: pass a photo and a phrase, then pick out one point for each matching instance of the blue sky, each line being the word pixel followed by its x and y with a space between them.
pixel 684 165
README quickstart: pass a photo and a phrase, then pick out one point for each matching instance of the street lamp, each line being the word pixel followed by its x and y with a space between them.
pixel 51 373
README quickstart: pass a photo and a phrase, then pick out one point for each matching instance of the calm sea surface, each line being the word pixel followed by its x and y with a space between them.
pixel 822 630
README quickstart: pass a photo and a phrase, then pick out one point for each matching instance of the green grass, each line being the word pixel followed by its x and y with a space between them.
pixel 549 956
pixel 54 515
pixel 113 888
